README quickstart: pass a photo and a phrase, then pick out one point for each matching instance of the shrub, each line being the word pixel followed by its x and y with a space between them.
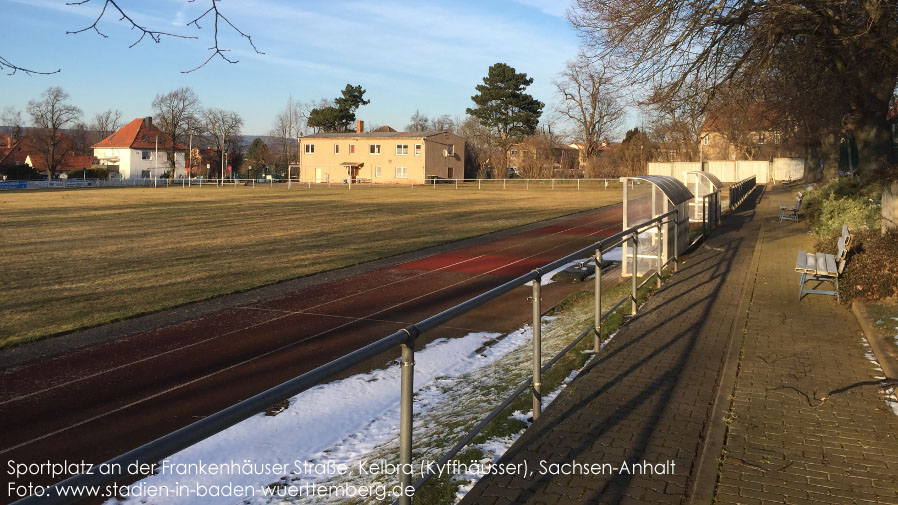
pixel 846 200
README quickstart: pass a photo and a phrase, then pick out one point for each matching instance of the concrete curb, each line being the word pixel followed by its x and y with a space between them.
pixel 886 362
pixel 708 466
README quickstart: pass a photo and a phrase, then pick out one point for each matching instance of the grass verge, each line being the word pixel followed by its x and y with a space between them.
pixel 442 490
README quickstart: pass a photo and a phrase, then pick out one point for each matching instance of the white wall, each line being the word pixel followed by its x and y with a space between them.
pixel 137 164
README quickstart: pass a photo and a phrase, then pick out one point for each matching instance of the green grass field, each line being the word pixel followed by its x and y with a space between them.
pixel 74 259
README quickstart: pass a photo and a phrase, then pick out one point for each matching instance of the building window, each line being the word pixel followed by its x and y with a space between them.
pixel 351 148
pixel 310 148
pixel 336 148
pixel 401 149
pixel 144 174
pixel 374 148
pixel 378 172
pixel 451 149
pixel 402 172
pixel 760 137
pixel 706 139
pixel 145 155
pixel 417 149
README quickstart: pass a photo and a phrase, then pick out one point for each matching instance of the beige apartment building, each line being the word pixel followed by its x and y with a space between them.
pixel 388 157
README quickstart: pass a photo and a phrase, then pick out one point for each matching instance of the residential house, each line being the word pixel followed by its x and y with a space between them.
pixel 138 151
pixel 536 157
pixel 752 132
pixel 383 156
pixel 581 151
pixel 27 152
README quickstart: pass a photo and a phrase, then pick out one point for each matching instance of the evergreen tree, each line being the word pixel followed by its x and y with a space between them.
pixel 340 116
pixel 505 108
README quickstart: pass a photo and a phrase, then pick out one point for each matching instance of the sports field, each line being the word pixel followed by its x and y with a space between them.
pixel 72 259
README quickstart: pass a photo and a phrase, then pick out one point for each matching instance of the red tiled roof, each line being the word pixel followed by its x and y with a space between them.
pixel 138 134
pixel 26 150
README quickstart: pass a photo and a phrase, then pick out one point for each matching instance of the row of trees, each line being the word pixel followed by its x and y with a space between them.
pixel 178 114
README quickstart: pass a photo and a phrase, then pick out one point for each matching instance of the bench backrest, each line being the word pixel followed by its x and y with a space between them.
pixel 844 245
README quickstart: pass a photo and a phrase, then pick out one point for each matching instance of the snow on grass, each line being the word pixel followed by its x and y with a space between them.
pixel 356 419
pixel 332 423
pixel 890 396
pixel 493 449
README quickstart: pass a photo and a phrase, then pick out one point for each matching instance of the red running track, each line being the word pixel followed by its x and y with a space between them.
pixel 95 403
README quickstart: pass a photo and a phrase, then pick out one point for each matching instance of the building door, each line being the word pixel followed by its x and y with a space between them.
pixel 450 173
pixel 318 177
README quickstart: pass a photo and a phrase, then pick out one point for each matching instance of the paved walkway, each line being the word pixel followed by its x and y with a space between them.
pixel 719 382
pixel 808 422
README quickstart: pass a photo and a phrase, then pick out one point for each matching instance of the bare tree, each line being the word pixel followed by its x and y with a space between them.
pixel 177 114
pixel 833 60
pixel 417 123
pixel 443 123
pixel 289 124
pixel 50 116
pixel 106 123
pixel 11 122
pixel 590 102
pixel 223 129
pixel 480 148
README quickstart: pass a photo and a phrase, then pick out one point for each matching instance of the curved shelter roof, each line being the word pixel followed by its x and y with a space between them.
pixel 709 177
pixel 673 189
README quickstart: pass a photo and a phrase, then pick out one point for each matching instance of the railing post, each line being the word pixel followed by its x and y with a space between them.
pixel 660 253
pixel 405 419
pixel 705 223
pixel 478 183
pixel 635 273
pixel 676 251
pixel 597 321
pixel 503 183
pixel 537 349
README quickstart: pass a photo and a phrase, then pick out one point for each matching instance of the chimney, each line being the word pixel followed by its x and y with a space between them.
pixel 360 126
pixel 148 122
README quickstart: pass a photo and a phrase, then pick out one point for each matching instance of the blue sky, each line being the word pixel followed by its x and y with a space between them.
pixel 423 55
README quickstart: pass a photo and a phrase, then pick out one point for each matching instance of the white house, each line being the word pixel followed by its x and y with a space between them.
pixel 138 151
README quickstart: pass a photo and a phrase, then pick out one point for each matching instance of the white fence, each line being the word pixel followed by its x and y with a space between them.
pixel 780 169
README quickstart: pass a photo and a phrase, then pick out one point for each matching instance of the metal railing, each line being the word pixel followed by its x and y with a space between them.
pixel 740 191
pixel 176 441
pixel 516 183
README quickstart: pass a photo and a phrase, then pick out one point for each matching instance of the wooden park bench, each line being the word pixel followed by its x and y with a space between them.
pixel 822 267
pixel 791 213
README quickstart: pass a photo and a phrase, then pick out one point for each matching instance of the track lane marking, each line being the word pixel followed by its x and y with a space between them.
pixel 249 360
pixel 208 339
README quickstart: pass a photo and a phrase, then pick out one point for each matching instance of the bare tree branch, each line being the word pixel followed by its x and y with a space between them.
pixel 13 68
pixel 216 49
pixel 155 35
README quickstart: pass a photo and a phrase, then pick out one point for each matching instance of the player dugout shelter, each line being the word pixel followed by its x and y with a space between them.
pixel 645 198
pixel 705 188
